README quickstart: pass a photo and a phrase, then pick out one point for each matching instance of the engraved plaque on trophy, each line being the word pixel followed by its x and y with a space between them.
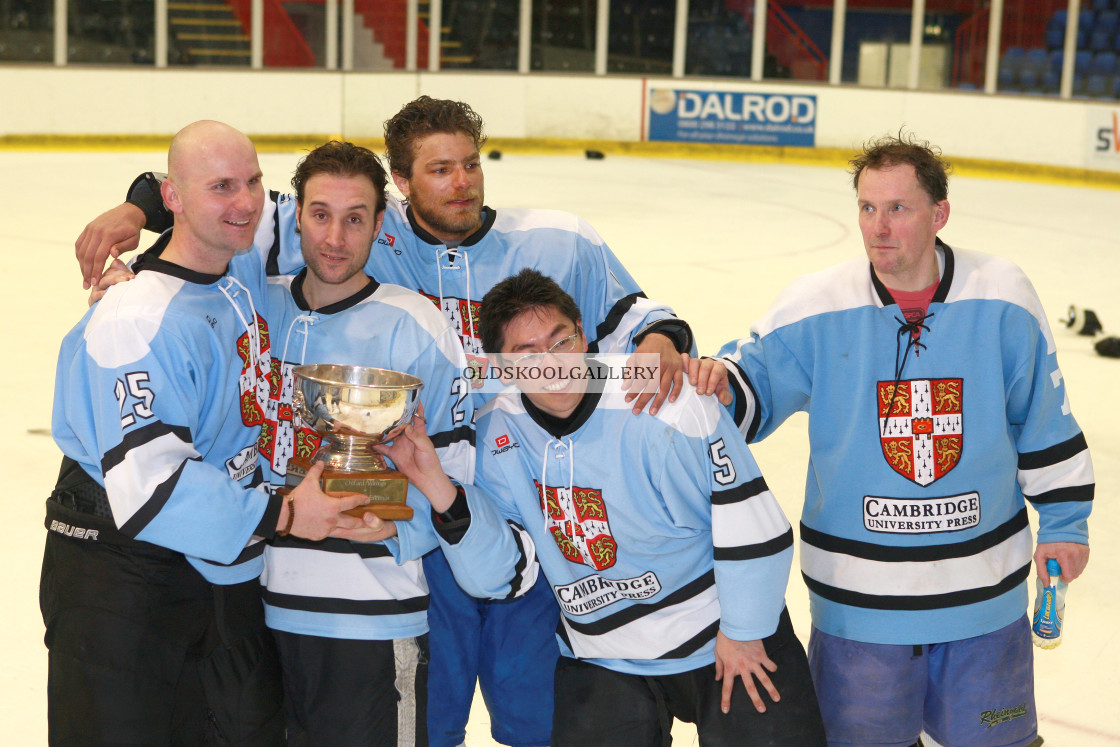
pixel 352 408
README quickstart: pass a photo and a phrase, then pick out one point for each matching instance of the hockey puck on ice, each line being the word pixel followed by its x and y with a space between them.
pixel 495 155
pixel 594 155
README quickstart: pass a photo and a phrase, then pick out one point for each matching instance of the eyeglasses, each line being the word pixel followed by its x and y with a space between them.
pixel 560 347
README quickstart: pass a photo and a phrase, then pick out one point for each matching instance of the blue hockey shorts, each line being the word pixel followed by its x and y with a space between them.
pixel 976 692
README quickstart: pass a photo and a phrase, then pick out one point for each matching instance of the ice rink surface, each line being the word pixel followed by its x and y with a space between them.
pixel 716 240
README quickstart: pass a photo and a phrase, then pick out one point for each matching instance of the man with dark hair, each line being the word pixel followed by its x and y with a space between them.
pixel 149 588
pixel 349 618
pixel 660 541
pixel 935 408
pixel 446 244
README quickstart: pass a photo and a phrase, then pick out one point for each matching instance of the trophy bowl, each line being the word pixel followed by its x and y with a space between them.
pixel 352 408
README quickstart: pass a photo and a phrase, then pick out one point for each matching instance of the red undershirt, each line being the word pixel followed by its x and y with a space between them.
pixel 914 304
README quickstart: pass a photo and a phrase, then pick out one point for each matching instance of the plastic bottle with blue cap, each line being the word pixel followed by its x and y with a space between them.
pixel 1049 608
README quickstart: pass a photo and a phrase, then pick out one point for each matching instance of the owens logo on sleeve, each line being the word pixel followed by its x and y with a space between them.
pixel 921 427
pixel 577 520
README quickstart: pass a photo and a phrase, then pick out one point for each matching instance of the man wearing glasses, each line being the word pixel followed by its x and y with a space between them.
pixel 664 548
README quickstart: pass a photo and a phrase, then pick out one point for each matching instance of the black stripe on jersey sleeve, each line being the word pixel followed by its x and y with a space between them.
pixel 742 492
pixel 1053 455
pixel 272 261
pixel 1071 494
pixel 138 437
pixel 693 644
pixel 366 607
pixel 522 564
pixel 638 611
pixel 333 544
pixel 155 502
pixel 869 551
pixel 920 602
pixel 614 317
pixel 736 379
pixel 758 550
pixel 444 439
pixel 254 550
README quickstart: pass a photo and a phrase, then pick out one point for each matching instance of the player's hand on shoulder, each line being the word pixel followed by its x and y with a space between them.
pixel 111 234
pixel 709 376
pixel 118 272
pixel 748 661
pixel 654 392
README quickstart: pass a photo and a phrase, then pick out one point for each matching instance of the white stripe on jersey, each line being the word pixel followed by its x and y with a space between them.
pixel 652 635
pixel 743 523
pixel 330 575
pixel 925 579
pixel 1075 471
pixel 144 468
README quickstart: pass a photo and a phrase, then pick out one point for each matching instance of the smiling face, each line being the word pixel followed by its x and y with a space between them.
pixel 338 220
pixel 899 222
pixel 214 190
pixel 445 189
pixel 538 330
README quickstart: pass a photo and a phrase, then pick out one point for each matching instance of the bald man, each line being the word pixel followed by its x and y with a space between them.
pixel 149 587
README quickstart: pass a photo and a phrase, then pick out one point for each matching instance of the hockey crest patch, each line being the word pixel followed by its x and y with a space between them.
pixel 577 521
pixel 283 435
pixel 921 426
pixel 253 382
pixel 464 319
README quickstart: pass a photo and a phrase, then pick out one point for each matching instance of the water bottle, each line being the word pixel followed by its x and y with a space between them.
pixel 1049 608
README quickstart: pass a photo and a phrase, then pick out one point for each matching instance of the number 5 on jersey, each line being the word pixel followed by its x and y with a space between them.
pixel 725 469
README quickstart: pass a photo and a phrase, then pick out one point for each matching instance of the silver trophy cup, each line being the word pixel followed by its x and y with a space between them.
pixel 352 408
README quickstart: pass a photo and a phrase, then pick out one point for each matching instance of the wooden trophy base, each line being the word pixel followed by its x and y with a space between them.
pixel 387 489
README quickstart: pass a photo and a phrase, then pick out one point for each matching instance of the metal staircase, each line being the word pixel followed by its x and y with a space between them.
pixel 206 32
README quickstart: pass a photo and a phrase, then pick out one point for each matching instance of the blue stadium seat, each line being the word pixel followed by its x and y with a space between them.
pixel 1058 20
pixel 1051 81
pixel 1099 5
pixel 1036 59
pixel 1007 80
pixel 1104 63
pixel 1055 38
pixel 1098 85
pixel 1085 19
pixel 1056 59
pixel 1030 81
pixel 1116 87
pixel 1082 62
pixel 1107 21
pixel 1100 41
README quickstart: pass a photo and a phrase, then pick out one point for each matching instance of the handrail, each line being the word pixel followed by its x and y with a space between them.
pixel 818 59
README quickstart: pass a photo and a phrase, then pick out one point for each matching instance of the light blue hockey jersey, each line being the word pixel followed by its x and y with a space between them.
pixel 914 528
pixel 654 532
pixel 337 588
pixel 159 395
pixel 556 243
